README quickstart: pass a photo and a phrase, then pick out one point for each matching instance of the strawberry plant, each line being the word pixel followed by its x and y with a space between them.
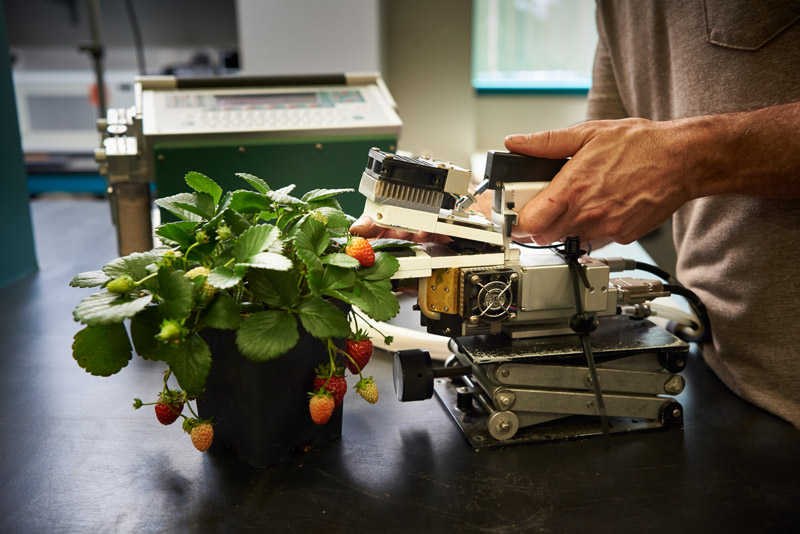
pixel 258 261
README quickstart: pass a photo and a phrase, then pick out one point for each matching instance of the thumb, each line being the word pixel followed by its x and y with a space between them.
pixel 552 144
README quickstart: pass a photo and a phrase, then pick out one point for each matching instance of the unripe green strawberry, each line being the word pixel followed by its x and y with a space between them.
pixel 203 271
pixel 321 406
pixel 224 232
pixel 201 237
pixel 367 388
pixel 171 330
pixel 122 285
pixel 360 249
pixel 202 436
pixel 318 216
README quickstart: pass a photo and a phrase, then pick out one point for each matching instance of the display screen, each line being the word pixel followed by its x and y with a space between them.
pixel 274 99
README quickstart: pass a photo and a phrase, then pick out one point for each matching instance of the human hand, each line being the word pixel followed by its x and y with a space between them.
pixel 366 227
pixel 625 178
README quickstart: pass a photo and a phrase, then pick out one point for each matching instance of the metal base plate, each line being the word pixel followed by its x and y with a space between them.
pixel 473 424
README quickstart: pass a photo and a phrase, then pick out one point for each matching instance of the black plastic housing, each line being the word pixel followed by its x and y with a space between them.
pixel 503 167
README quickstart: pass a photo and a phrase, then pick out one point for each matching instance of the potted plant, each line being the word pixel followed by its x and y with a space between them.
pixel 244 302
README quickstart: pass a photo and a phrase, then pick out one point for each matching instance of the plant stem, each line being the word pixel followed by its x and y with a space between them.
pixel 145 279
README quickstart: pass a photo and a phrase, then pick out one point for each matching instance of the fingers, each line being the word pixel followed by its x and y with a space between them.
pixel 539 219
pixel 553 144
pixel 365 227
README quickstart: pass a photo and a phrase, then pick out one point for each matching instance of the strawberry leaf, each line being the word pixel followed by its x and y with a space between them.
pixel 377 296
pixel 102 350
pixel 256 239
pixel 267 335
pixel 384 267
pixel 388 243
pixel 322 194
pixel 282 196
pixel 236 222
pixel 106 308
pixel 257 183
pixel 336 218
pixel 190 361
pixel 177 293
pixel 340 260
pixel 200 204
pixel 322 319
pixel 179 233
pixel 338 278
pixel 133 265
pixel 269 260
pixel 169 204
pixel 90 279
pixel 223 278
pixel 275 288
pixel 223 313
pixel 245 201
pixel 144 328
pixel 203 184
pixel 311 239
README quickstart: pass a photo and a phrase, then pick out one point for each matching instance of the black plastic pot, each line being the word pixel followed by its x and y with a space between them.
pixel 261 408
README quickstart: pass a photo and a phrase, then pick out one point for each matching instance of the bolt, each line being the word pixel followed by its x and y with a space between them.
pixel 433 306
pixel 590 404
pixel 674 385
pixel 524 269
pixel 446 308
pixel 473 319
pixel 504 427
pixel 475 279
pixel 379 216
pixel 588 382
pixel 447 330
pixel 433 288
pixel 447 290
pixel 513 276
pixel 504 373
pixel 463 390
pixel 376 149
pixel 389 156
pixel 512 316
pixel 506 399
pixel 447 271
pixel 676 413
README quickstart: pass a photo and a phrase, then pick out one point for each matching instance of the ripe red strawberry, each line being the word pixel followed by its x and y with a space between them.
pixel 367 388
pixel 167 413
pixel 321 406
pixel 360 249
pixel 202 436
pixel 360 350
pixel 336 385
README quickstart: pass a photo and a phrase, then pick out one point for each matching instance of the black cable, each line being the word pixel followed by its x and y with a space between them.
pixel 137 36
pixel 658 271
pixel 699 310
pixel 539 247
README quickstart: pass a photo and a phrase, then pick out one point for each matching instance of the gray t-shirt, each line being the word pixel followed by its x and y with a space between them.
pixel 664 60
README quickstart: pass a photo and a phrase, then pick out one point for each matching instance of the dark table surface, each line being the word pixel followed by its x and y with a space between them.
pixel 76 457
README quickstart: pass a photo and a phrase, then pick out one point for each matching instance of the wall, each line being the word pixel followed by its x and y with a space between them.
pixel 427 50
pixel 16 231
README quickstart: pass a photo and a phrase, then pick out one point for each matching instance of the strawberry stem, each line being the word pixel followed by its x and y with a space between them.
pixel 145 279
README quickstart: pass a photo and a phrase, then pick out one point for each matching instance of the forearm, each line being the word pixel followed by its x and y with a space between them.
pixel 754 153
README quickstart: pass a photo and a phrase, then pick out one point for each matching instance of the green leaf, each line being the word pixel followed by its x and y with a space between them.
pixel 348 297
pixel 223 313
pixel 245 201
pixel 176 292
pixel 106 308
pixel 201 204
pixel 223 278
pixel 190 361
pixel 282 196
pixel 384 267
pixel 269 260
pixel 257 183
pixel 380 303
pixel 169 204
pixel 322 319
pixel 203 184
pixel 275 288
pixel 257 239
pixel 388 243
pixel 322 194
pixel 338 278
pixel 221 207
pixel 90 279
pixel 267 335
pixel 144 328
pixel 177 232
pixel 311 239
pixel 336 218
pixel 340 260
pixel 102 350
pixel 236 222
pixel 325 203
pixel 133 265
